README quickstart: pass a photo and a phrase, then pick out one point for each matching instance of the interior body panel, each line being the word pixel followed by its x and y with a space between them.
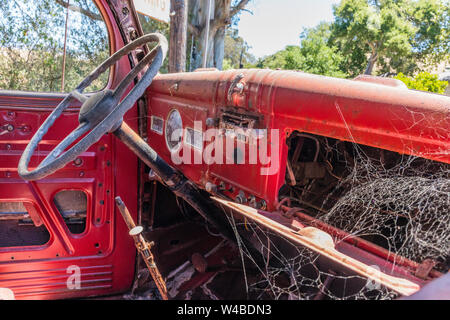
pixel 107 169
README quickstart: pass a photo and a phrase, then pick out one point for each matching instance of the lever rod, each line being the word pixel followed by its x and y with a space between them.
pixel 143 247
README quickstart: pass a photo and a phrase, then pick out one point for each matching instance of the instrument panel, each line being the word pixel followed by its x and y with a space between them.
pixel 227 130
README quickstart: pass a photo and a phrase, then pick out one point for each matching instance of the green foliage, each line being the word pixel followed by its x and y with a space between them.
pixel 424 81
pixel 390 35
pixel 236 51
pixel 432 20
pixel 227 64
pixel 151 26
pixel 372 36
pixel 318 56
pixel 288 59
pixel 32 41
pixel 314 55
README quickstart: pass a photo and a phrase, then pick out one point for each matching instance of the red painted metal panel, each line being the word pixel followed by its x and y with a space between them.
pixel 372 114
pixel 104 252
pixel 105 241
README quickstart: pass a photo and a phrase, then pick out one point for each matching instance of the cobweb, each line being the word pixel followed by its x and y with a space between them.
pixel 291 272
pixel 400 204
pixel 404 207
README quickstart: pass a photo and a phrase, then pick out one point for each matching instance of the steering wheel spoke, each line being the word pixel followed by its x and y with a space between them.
pixel 71 138
pixel 79 96
pixel 100 113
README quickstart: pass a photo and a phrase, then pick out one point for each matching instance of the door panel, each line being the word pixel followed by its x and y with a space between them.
pixel 102 256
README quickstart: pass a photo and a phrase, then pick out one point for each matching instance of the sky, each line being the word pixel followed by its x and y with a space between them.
pixel 275 24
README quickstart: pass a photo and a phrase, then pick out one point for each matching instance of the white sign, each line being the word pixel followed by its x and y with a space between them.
pixel 156 9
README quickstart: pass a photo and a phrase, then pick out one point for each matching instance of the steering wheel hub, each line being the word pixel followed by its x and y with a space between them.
pixel 100 112
pixel 94 109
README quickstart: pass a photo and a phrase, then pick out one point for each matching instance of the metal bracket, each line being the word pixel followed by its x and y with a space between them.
pixel 424 269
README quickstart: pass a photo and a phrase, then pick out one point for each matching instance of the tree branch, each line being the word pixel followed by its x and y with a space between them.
pixel 88 13
pixel 246 10
pixel 241 5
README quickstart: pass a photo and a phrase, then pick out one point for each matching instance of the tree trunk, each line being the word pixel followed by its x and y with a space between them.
pixel 210 45
pixel 178 34
pixel 222 10
pixel 219 48
pixel 371 64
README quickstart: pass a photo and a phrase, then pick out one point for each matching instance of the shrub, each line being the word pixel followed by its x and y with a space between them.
pixel 424 81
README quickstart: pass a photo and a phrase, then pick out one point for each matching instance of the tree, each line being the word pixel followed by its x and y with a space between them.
pixel 208 43
pixel 314 55
pixel 432 20
pixel 236 55
pixel 319 57
pixel 32 41
pixel 178 34
pixel 390 35
pixel 150 25
pixel 289 58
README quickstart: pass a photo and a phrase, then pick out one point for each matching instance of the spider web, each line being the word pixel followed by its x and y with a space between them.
pixel 402 206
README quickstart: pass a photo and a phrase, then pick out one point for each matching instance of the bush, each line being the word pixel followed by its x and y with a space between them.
pixel 424 81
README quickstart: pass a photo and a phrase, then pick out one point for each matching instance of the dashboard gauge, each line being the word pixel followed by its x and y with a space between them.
pixel 174 130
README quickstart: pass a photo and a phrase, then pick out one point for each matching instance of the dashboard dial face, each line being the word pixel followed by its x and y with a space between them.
pixel 174 130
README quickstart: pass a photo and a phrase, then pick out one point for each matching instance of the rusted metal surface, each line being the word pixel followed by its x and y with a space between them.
pixel 359 242
pixel 144 248
pixel 199 262
pixel 424 269
pixel 215 262
pixel 175 180
pixel 166 173
pixel 343 109
pixel 322 243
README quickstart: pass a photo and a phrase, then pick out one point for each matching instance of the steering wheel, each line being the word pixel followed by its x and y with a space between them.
pixel 100 113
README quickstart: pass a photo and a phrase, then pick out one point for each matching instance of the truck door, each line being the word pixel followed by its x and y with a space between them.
pixel 61 236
